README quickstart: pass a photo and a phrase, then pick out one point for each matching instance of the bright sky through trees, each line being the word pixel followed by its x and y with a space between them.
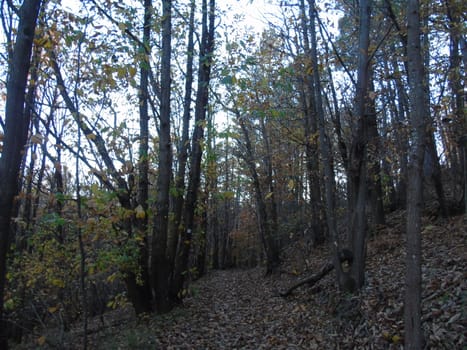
pixel 255 12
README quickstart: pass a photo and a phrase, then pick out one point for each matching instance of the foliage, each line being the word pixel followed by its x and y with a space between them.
pixel 261 176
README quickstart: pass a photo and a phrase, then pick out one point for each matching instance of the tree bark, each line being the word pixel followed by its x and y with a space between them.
pixel 311 280
pixel 15 136
pixel 418 113
pixel 201 109
pixel 160 265
pixel 179 196
pixel 358 179
pixel 456 82
pixel 374 163
pixel 325 151
pixel 431 152
pixel 311 144
pixel 141 293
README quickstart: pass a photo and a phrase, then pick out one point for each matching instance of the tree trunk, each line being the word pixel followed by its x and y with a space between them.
pixel 142 298
pixel 402 135
pixel 311 144
pixel 22 234
pixel 374 161
pixel 359 153
pixel 213 213
pixel 389 121
pixel 160 265
pixel 265 230
pixel 456 80
pixel 432 154
pixel 271 204
pixel 201 109
pixel 15 136
pixel 418 113
pixel 325 151
pixel 178 198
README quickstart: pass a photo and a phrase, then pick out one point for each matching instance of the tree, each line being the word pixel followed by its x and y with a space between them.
pixel 457 151
pixel 418 112
pixel 143 292
pixel 311 130
pixel 15 136
pixel 159 261
pixel 326 159
pixel 201 110
pixel 118 174
pixel 262 95
pixel 183 148
pixel 358 154
pixel 266 227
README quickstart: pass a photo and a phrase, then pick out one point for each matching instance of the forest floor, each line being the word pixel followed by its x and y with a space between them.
pixel 241 309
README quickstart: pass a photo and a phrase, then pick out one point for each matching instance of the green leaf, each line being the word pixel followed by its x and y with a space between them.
pixel 229 80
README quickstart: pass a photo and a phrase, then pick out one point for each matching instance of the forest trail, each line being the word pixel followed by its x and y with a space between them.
pixel 238 309
pixel 241 309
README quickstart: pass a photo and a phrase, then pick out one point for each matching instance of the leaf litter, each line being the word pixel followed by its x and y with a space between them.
pixel 241 309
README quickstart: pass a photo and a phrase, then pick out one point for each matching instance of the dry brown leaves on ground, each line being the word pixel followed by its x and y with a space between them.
pixel 240 309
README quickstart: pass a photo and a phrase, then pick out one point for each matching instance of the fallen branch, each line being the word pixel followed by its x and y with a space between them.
pixel 309 280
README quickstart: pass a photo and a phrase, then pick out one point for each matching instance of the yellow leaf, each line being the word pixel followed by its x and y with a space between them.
pixel 121 72
pixel 140 213
pixel 269 195
pixel 132 71
pixel 48 44
pixel 291 185
pixel 53 309
pixel 228 195
pixel 396 339
pixel 428 228
pixel 112 278
pixel 91 136
pixel 41 340
pixel 58 283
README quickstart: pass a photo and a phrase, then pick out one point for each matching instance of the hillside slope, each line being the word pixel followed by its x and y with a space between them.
pixel 241 309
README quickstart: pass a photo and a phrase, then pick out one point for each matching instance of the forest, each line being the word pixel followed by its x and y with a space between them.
pixel 172 177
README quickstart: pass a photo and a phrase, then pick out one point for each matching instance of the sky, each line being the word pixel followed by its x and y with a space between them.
pixel 254 11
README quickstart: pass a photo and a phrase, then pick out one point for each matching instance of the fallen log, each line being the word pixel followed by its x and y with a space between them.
pixel 311 280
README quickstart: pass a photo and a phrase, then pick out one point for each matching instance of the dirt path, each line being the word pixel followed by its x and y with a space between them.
pixel 239 310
